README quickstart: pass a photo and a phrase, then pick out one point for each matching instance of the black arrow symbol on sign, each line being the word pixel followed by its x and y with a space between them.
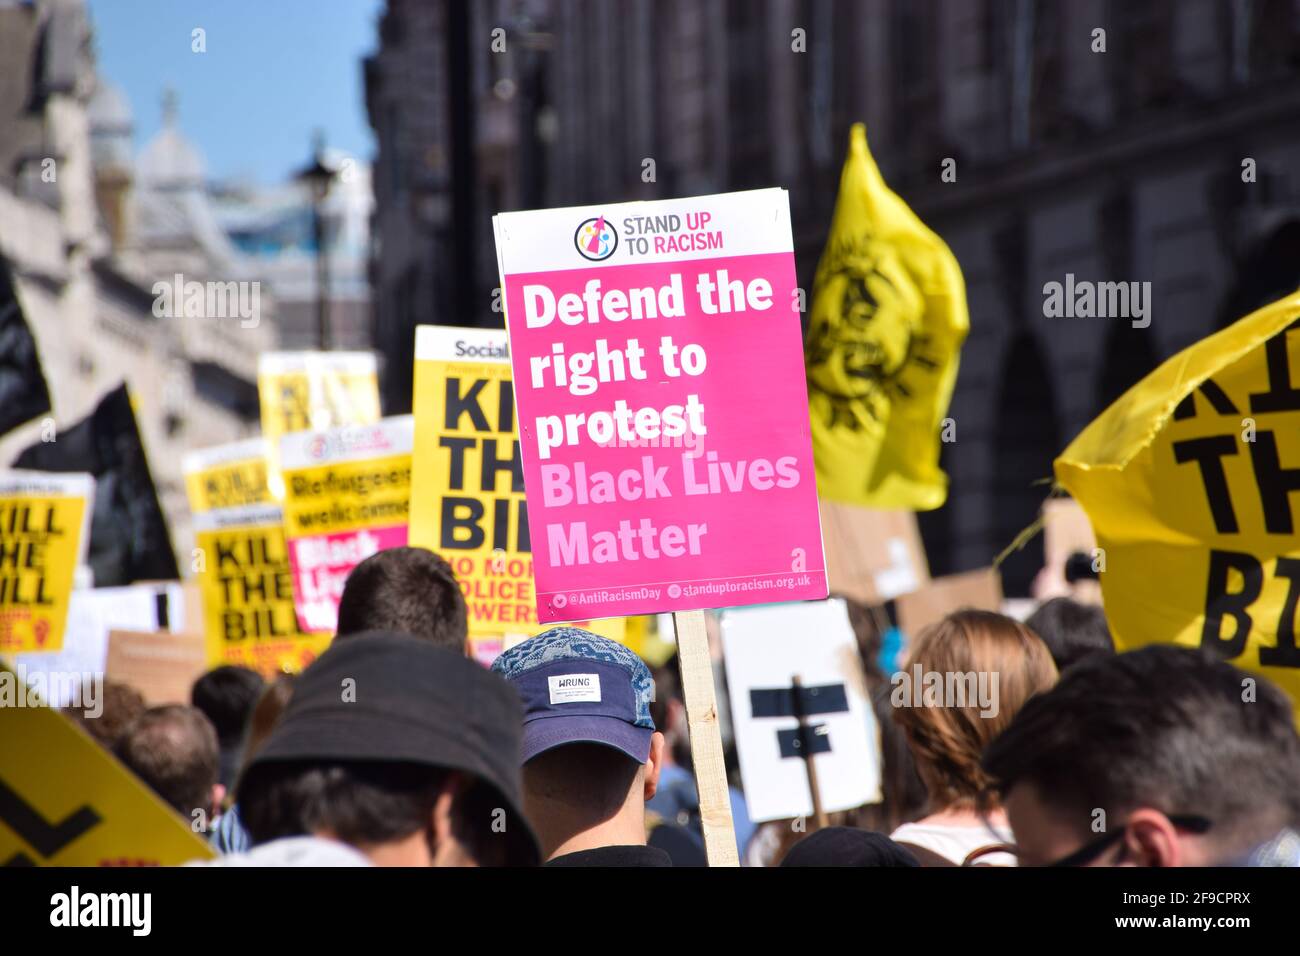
pixel 35 830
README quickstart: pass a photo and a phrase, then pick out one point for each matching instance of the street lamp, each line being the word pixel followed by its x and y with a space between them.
pixel 318 177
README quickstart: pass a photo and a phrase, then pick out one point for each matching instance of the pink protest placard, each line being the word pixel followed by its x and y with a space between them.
pixel 347 496
pixel 663 413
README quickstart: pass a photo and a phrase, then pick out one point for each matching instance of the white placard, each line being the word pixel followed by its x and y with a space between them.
pixel 765 648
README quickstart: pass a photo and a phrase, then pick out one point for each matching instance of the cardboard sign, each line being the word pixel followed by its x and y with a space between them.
pixel 1066 531
pixel 938 598
pixel 65 802
pixel 765 650
pixel 244 575
pixel 160 665
pixel 1189 482
pixel 662 407
pixel 872 556
pixel 467 501
pixel 347 496
pixel 44 531
pixel 301 391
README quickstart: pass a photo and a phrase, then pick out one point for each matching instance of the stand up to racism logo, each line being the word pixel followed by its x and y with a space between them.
pixel 596 239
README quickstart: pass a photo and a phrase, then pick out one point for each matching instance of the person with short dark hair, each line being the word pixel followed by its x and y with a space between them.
pixel 122 706
pixel 227 696
pixel 591 755
pixel 409 591
pixel 404 752
pixel 173 749
pixel 1071 631
pixel 1163 756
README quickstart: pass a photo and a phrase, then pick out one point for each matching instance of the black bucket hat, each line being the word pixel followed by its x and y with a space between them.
pixel 384 697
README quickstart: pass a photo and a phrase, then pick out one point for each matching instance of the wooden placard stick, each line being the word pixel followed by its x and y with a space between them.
pixel 806 752
pixel 706 738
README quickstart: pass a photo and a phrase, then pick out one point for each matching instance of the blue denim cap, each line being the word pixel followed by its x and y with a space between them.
pixel 578 687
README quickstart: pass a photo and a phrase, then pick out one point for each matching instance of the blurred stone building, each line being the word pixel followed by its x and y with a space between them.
pixel 1164 148
pixel 87 230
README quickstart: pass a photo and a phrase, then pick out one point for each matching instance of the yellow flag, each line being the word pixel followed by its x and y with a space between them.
pixel 1188 480
pixel 888 320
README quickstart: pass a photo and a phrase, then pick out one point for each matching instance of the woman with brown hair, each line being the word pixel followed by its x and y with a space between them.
pixel 963 680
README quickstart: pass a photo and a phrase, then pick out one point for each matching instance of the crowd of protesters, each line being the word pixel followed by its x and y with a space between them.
pixel 394 748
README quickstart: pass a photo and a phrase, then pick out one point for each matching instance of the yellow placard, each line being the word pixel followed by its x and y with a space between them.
pixel 347 496
pixel 302 391
pixel 615 628
pixel 66 802
pixel 243 564
pixel 468 501
pixel 227 476
pixel 1189 481
pixel 247 587
pixel 44 531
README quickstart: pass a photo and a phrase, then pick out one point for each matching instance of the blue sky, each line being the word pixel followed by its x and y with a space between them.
pixel 274 71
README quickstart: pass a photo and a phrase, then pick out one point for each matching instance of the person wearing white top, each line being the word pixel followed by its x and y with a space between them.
pixel 959 841
pixel 963 680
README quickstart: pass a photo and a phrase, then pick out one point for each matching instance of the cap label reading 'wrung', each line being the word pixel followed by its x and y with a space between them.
pixel 574 688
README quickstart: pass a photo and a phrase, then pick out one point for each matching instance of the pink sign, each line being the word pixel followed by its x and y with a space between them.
pixel 347 496
pixel 321 565
pixel 663 413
